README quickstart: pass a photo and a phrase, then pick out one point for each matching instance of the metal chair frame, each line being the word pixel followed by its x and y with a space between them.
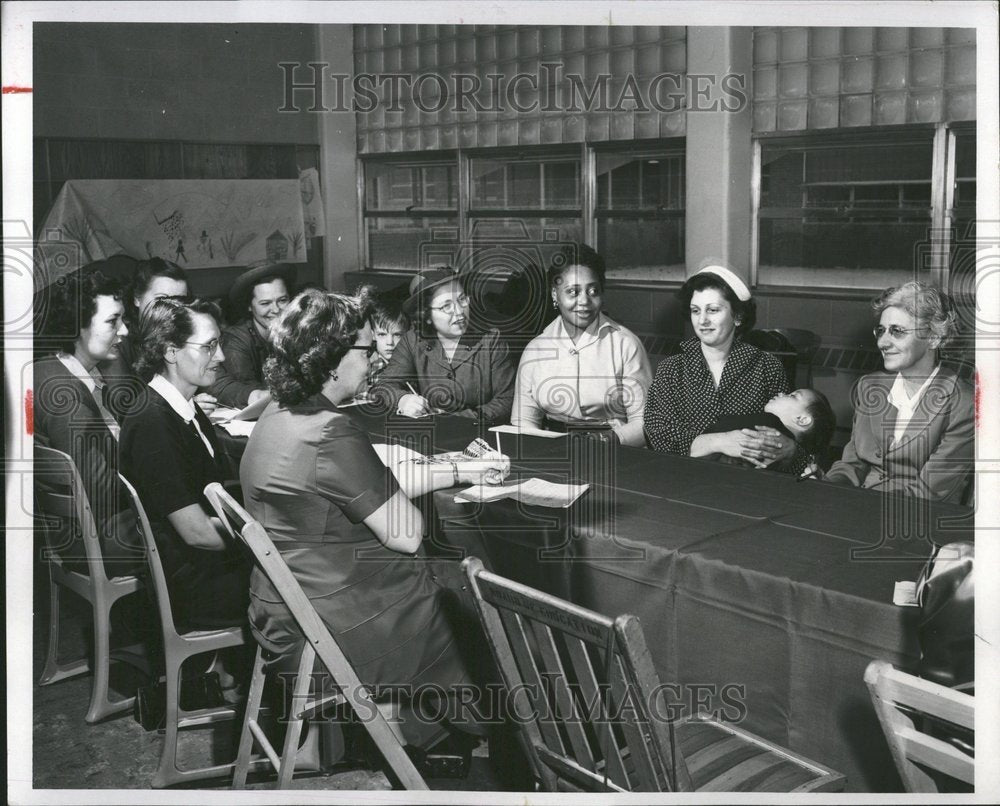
pixel 61 497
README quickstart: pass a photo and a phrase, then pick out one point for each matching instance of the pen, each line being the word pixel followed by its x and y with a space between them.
pixel 498 443
pixel 412 390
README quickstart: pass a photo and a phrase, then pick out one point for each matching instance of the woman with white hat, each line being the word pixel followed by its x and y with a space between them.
pixel 716 374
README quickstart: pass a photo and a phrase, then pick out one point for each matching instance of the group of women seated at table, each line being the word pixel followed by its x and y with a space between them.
pixel 347 526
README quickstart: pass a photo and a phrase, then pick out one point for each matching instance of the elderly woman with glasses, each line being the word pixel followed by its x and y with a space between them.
pixel 913 429
pixel 169 453
pixel 343 522
pixel 444 366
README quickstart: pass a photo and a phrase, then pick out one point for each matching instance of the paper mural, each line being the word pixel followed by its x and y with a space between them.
pixel 196 223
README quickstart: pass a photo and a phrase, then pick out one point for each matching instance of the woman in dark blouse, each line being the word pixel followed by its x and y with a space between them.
pixel 169 452
pixel 342 522
pixel 443 365
pixel 715 375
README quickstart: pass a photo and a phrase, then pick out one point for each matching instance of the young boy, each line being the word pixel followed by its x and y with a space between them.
pixel 389 323
pixel 804 415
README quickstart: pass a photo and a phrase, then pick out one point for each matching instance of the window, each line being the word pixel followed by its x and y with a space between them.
pixel 406 203
pixel 640 213
pixel 853 209
pixel 962 262
pixel 527 201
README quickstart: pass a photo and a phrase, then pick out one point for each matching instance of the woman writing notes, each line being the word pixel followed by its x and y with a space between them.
pixel 442 365
pixel 584 368
pixel 913 427
pixel 716 374
pixel 343 523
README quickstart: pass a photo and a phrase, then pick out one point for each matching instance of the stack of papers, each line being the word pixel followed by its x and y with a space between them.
pixel 526 429
pixel 536 492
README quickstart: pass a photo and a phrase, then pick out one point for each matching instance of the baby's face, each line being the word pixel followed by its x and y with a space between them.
pixel 791 406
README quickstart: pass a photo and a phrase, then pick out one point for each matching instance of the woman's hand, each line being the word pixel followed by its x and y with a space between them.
pixel 492 468
pixel 763 446
pixel 414 406
pixel 206 402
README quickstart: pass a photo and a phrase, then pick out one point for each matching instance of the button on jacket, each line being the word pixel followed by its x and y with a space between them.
pixel 478 382
pixel 935 455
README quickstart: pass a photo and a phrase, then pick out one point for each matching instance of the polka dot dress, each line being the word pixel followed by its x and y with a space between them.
pixel 683 400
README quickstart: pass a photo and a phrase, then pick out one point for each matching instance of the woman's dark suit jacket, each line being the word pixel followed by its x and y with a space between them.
pixel 934 458
pixel 478 382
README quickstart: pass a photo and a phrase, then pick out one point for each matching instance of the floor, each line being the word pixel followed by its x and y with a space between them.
pixel 119 754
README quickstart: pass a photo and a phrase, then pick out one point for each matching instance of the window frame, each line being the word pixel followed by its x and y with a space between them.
pixel 586 213
pixel 940 138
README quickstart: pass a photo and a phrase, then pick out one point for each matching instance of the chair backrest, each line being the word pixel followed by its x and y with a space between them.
pixel 921 744
pixel 582 686
pixel 66 514
pixel 158 577
pixel 240 523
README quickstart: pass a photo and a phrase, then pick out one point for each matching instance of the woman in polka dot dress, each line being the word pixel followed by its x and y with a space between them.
pixel 716 375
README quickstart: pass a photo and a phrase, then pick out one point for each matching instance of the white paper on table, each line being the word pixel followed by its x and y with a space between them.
pixel 224 414
pixel 238 428
pixel 526 429
pixel 536 492
pixel 905 594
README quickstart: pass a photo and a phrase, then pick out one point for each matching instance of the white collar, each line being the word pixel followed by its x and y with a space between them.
pixel 92 379
pixel 901 399
pixel 594 331
pixel 173 396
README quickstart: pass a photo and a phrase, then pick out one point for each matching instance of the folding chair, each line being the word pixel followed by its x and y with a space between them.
pixel 584 690
pixel 178 647
pixel 319 642
pixel 898 697
pixel 65 511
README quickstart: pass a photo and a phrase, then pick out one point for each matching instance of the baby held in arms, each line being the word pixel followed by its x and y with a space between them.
pixel 803 415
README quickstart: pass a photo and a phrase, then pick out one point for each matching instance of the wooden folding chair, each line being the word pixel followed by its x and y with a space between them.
pixel 178 647
pixel 584 691
pixel 318 642
pixel 898 697
pixel 65 509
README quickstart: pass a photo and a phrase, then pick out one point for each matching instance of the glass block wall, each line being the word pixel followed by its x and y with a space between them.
pixel 818 78
pixel 589 52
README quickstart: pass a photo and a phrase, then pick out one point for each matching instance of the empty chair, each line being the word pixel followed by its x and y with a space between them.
pixel 177 648
pixel 584 690
pixel 924 725
pixel 319 642
pixel 65 511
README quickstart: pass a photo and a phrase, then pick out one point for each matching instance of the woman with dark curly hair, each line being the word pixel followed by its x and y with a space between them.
pixel 913 427
pixel 584 369
pixel 343 522
pixel 169 452
pixel 716 374
pixel 83 322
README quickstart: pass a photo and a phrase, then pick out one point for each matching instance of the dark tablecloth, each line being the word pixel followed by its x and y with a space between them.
pixel 761 596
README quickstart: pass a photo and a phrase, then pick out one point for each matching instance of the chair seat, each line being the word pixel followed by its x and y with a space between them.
pixel 720 759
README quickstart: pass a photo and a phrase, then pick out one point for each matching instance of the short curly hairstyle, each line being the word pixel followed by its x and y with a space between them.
pixel 67 306
pixel 309 339
pixel 744 312
pixel 930 308
pixel 577 254
pixel 145 272
pixel 166 323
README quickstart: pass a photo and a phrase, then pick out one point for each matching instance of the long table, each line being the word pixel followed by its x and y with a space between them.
pixel 761 597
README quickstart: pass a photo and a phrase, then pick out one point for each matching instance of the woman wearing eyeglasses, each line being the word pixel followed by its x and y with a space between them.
pixel 913 426
pixel 169 453
pixel 443 366
pixel 343 522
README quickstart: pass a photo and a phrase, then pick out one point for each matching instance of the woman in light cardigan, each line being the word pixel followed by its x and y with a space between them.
pixel 914 428
pixel 583 368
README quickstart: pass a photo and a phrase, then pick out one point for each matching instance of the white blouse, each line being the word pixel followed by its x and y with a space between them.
pixel 604 376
